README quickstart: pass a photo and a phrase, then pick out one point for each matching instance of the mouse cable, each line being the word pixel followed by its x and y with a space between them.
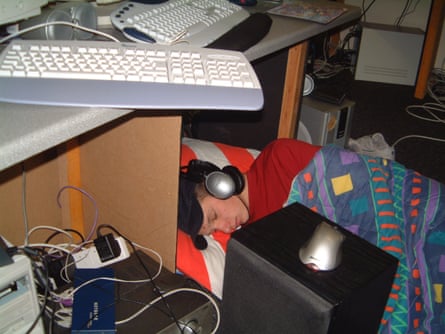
pixel 43 25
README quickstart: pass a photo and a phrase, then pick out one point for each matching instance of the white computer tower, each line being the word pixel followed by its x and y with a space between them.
pixel 324 123
pixel 19 307
pixel 389 54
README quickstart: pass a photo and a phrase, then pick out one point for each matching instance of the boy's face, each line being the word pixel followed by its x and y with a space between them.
pixel 222 215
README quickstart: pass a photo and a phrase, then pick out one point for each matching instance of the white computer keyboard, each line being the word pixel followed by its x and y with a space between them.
pixel 195 22
pixel 127 75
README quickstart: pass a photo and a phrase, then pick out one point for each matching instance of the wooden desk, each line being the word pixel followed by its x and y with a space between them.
pixel 128 161
pixel 294 34
pixel 431 44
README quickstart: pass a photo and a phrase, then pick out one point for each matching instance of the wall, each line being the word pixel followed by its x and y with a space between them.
pixel 387 12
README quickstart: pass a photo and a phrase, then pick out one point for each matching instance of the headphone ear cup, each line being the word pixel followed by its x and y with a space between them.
pixel 220 185
pixel 237 177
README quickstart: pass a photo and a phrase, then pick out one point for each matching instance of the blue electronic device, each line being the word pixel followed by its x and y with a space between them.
pixel 94 305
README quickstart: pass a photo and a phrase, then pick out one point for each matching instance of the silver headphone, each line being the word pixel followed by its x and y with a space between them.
pixel 220 183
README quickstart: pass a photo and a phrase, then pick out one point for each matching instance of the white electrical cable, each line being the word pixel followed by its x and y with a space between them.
pixel 169 293
pixel 50 246
pixel 52 228
pixel 42 25
pixel 157 255
pixel 436 85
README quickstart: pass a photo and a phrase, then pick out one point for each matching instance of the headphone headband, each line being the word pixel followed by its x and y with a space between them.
pixel 197 170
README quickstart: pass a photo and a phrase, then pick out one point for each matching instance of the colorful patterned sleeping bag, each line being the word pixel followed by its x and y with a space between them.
pixel 396 209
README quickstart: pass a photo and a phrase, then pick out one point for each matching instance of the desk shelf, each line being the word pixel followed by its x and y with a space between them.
pixel 26 130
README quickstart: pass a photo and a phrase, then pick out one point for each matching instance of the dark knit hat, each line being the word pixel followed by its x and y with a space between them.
pixel 190 215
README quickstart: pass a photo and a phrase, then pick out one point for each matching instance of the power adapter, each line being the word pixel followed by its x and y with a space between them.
pixel 106 250
pixel 107 247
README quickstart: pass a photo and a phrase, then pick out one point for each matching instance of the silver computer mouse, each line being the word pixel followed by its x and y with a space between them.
pixel 323 251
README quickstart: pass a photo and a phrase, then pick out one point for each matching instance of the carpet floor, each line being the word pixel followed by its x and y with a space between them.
pixel 381 108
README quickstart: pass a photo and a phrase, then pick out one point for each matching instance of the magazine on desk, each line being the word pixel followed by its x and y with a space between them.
pixel 316 11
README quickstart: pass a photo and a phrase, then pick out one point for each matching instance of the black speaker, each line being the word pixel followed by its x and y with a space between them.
pixel 267 289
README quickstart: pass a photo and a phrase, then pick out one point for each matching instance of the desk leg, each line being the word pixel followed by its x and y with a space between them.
pixel 293 87
pixel 71 200
pixel 431 44
pixel 74 179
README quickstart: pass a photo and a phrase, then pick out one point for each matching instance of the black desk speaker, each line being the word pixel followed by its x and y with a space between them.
pixel 268 290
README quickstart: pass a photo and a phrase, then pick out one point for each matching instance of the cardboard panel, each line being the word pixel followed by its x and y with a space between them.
pixel 38 185
pixel 131 169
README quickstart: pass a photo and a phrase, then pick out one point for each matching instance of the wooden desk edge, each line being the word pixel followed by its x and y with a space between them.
pixel 431 44
pixel 292 90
